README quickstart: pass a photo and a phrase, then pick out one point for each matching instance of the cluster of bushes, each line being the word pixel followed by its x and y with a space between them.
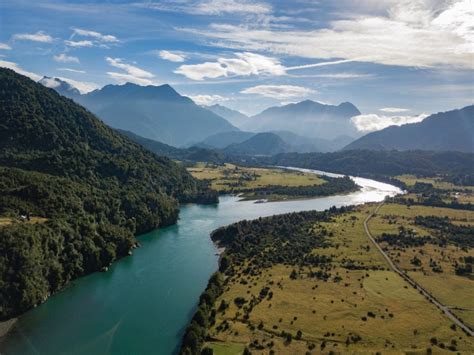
pixel 446 232
pixel 405 238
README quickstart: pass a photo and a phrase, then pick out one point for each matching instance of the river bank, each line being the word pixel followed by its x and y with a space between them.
pixel 157 288
pixel 5 326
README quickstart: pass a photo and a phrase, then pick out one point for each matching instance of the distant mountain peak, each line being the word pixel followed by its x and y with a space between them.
pixel 308 118
pixel 61 86
pixel 443 131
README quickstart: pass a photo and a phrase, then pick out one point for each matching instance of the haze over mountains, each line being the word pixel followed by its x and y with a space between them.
pixel 155 112
pixel 444 131
pixel 308 118
pixel 161 114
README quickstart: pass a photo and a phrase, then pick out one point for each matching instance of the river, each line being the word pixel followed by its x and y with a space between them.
pixel 144 302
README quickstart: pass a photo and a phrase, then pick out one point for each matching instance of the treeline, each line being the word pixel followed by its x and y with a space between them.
pixel 428 195
pixel 443 232
pixel 332 186
pixel 95 187
pixel 447 232
pixel 252 246
pixel 368 163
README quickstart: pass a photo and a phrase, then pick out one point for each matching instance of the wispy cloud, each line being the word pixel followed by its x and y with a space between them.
pixel 5 46
pixel 64 58
pixel 243 64
pixel 279 92
pixel 78 44
pixel 374 122
pixel 19 70
pixel 94 39
pixel 96 35
pixel 39 36
pixel 207 100
pixel 171 56
pixel 83 86
pixel 411 33
pixel 209 7
pixel 131 73
pixel 394 109
pixel 72 70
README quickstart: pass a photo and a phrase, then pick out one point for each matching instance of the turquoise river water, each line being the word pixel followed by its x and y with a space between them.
pixel 144 302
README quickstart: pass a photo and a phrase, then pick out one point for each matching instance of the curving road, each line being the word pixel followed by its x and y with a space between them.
pixel 413 283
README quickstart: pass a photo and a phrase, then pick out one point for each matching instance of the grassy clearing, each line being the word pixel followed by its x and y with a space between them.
pixel 437 182
pixel 5 221
pixel 356 310
pixel 232 178
pixel 431 265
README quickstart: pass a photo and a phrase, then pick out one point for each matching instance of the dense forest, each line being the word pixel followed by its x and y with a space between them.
pixel 93 188
pixel 373 164
pixel 250 248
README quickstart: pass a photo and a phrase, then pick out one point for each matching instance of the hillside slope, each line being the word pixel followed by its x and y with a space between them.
pixel 307 118
pixel 91 188
pixel 445 131
pixel 155 112
pixel 259 144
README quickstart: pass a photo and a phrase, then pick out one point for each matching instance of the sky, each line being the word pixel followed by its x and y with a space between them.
pixel 397 61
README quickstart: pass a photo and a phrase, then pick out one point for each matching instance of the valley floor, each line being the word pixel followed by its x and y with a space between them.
pixel 351 301
pixel 361 310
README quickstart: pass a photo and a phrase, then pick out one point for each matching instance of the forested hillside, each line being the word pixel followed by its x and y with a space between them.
pixel 444 131
pixel 368 162
pixel 91 189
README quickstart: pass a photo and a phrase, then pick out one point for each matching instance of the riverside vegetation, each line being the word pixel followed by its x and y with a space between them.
pixel 91 188
pixel 312 282
pixel 272 184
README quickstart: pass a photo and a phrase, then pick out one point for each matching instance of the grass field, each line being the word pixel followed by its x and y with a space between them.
pixel 453 290
pixel 235 179
pixel 230 177
pixel 437 182
pixel 364 310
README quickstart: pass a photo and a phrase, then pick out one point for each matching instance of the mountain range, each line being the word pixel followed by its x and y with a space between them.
pixel 307 118
pixel 444 131
pixel 155 112
pixel 161 114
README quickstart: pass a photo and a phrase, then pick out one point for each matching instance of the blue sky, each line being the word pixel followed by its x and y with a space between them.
pixel 395 60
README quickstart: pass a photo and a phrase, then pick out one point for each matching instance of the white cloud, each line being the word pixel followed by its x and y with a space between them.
pixel 414 33
pixel 5 46
pixel 374 122
pixel 19 70
pixel 132 73
pixel 39 36
pixel 210 7
pixel 207 100
pixel 217 7
pixel 78 44
pixel 172 56
pixel 394 109
pixel 50 82
pixel 83 86
pixel 342 75
pixel 96 35
pixel 64 58
pixel 279 92
pixel 72 70
pixel 244 64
